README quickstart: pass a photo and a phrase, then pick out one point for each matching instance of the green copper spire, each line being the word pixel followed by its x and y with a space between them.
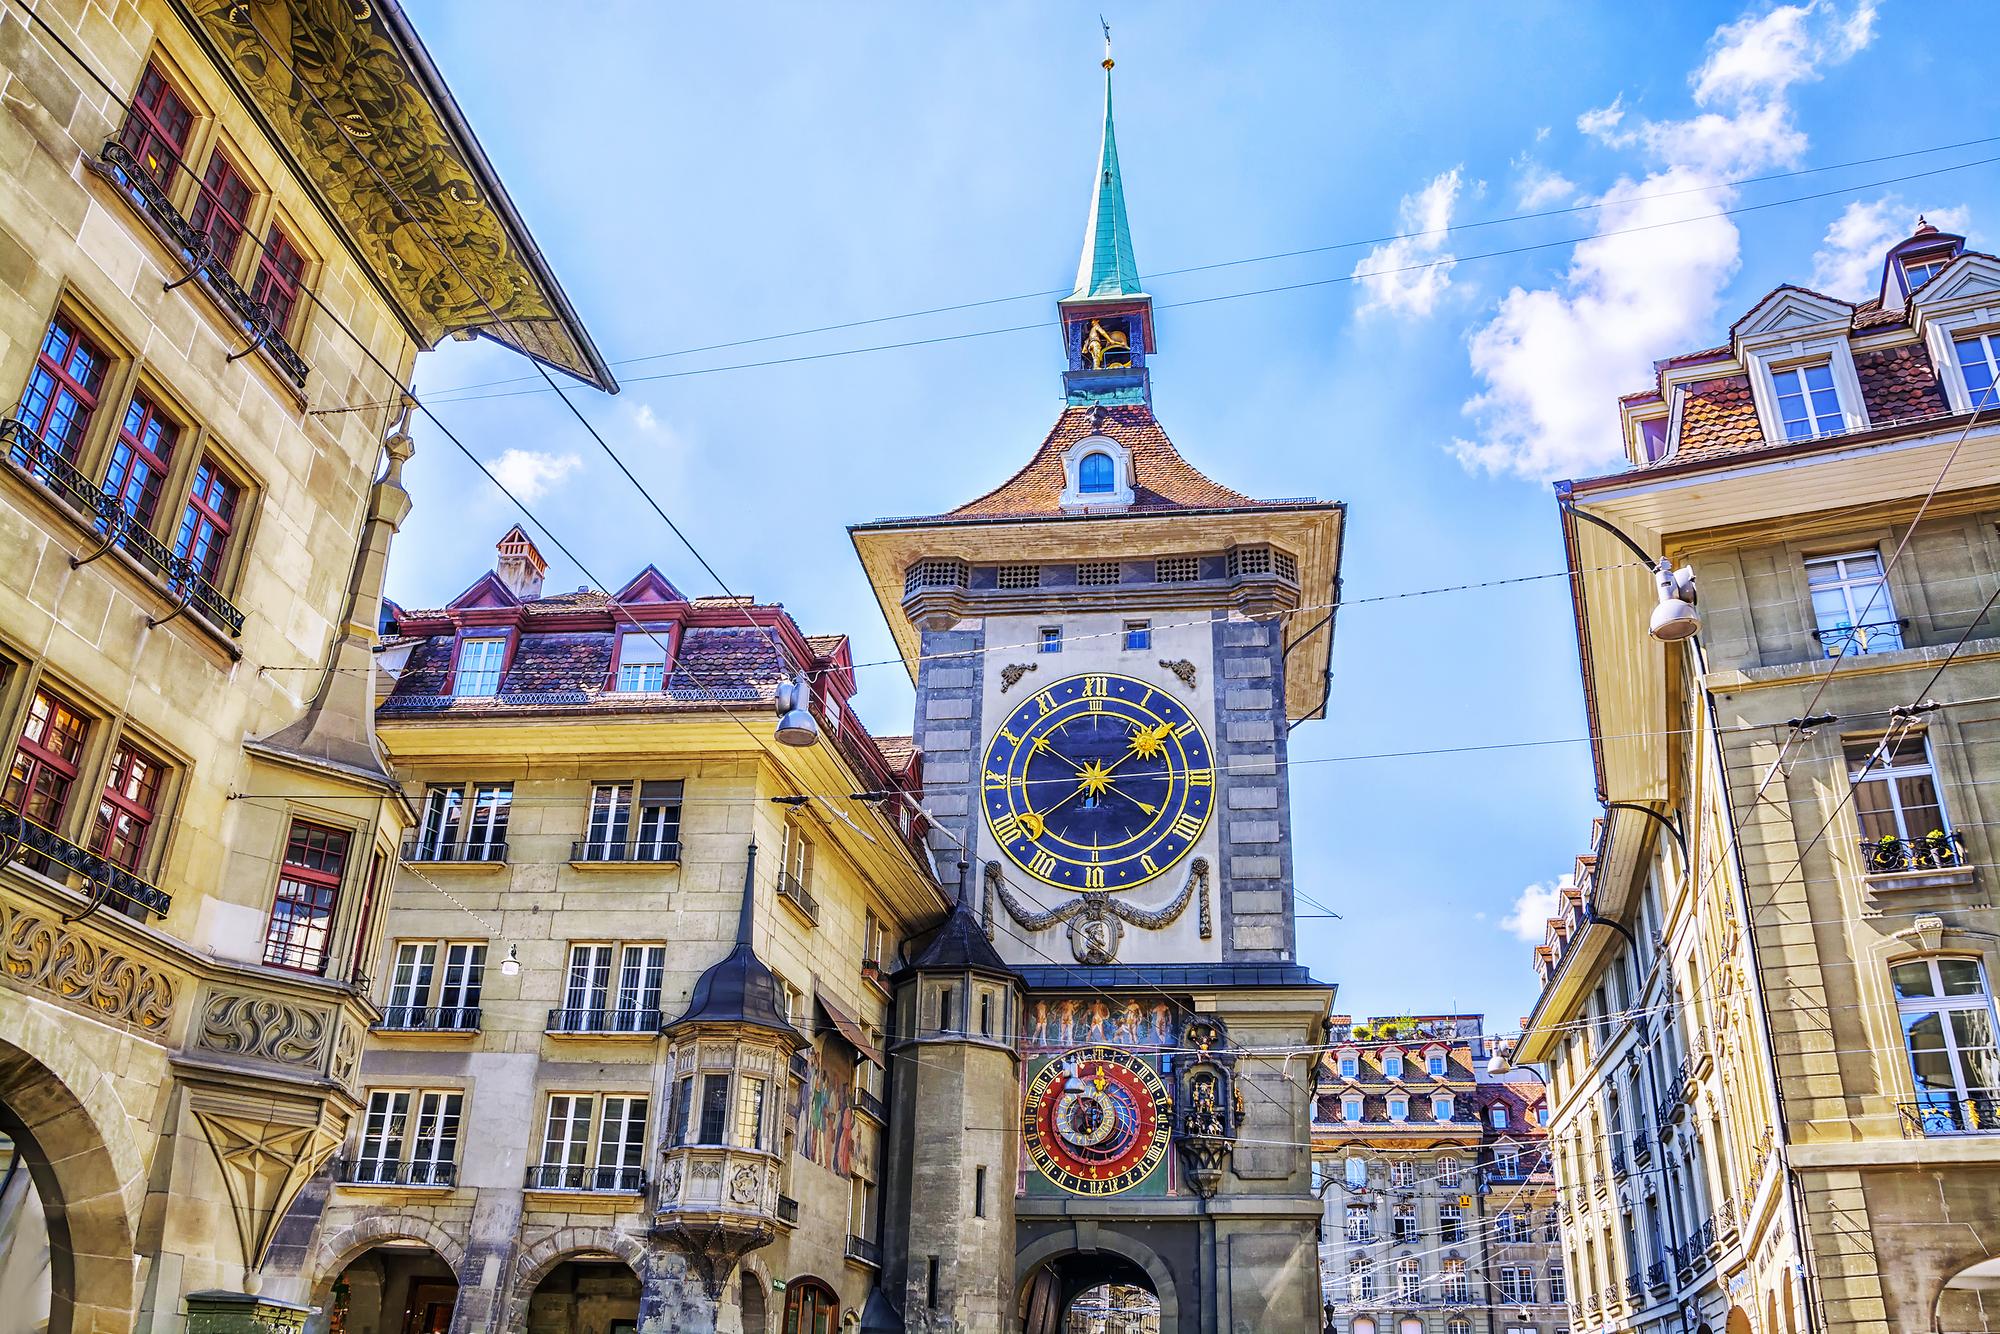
pixel 1107 269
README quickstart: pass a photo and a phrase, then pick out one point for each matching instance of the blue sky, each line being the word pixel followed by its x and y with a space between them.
pixel 702 174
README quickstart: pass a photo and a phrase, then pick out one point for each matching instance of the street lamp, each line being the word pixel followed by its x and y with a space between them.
pixel 796 725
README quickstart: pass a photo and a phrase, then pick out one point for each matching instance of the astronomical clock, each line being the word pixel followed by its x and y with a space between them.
pixel 1097 1121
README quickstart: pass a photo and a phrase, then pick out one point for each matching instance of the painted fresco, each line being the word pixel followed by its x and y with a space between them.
pixel 1132 1022
pixel 823 1110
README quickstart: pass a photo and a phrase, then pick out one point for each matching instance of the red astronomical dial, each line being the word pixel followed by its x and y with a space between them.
pixel 1096 1120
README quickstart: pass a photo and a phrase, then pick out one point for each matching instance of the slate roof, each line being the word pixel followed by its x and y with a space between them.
pixel 1162 479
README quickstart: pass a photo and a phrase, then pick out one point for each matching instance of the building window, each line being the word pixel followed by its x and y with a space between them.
pixel 1510 1226
pixel 281 272
pixel 1399 1109
pixel 1360 1227
pixel 301 927
pixel 589 1005
pixel 1402 1172
pixel 1138 635
pixel 1018 576
pixel 1409 1279
pixel 1506 1163
pixel 660 819
pixel 1392 1066
pixel 1435 1064
pixel 410 986
pixel 1897 799
pixel 1808 403
pixel 46 759
pixel 1918 271
pixel 1097 573
pixel 203 539
pixel 1517 1285
pixel 1350 1109
pixel 1851 606
pixel 1177 569
pixel 1979 363
pixel 383 1131
pixel 1441 1107
pixel 156 131
pixel 1051 639
pixel 1451 1223
pixel 811 1307
pixel 608 824
pixel 479 663
pixel 795 863
pixel 1096 475
pixel 642 971
pixel 1350 1067
pixel 125 811
pixel 1946 1012
pixel 1404 1224
pixel 1452 1283
pixel 1357 1172
pixel 1360 1277
pixel 1499 1117
pixel 979 1192
pixel 62 392
pixel 1558 1284
pixel 386 1133
pixel 1542 1115
pixel 139 460
pixel 1449 1171
pixel 642 661
pixel 1458 1324
pixel 567 1160
pixel 714 1109
pixel 221 209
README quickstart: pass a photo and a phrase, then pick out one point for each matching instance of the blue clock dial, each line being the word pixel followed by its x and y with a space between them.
pixel 1098 782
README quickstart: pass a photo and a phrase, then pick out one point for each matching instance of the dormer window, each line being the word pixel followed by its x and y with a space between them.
pixel 479 663
pixel 1978 357
pixel 1096 475
pixel 1350 1065
pixel 1435 1064
pixel 1350 1110
pixel 642 661
pixel 1392 1065
pixel 1399 1109
pixel 1920 269
pixel 1808 403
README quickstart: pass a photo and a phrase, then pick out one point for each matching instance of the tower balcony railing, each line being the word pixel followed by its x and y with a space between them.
pixel 34 458
pixel 1951 1113
pixel 98 878
pixel 1935 851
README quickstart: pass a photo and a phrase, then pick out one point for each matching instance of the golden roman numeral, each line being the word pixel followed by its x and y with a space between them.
pixel 1187 826
pixel 1098 687
pixel 1185 730
pixel 1043 865
pixel 1093 877
pixel 1012 740
pixel 1201 778
pixel 1152 867
pixel 1096 705
pixel 1047 701
pixel 1006 829
pixel 994 780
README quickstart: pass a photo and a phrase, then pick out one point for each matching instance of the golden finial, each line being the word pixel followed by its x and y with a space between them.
pixel 1108 62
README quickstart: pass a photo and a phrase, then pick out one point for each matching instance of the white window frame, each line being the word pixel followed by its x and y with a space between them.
pixel 1941 333
pixel 1399 1107
pixel 1861 595
pixel 636 675
pixel 1409 1278
pixel 1945 1119
pixel 460 675
pixel 1831 348
pixel 434 1143
pixel 1449 1170
pixel 1442 1105
pixel 1356 1172
pixel 1074 497
pixel 1888 773
pixel 1352 1110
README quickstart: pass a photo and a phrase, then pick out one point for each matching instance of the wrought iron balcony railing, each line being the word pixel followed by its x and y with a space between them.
pixel 421 849
pixel 1936 1114
pixel 1851 640
pixel 795 893
pixel 253 317
pixel 864 1250
pixel 49 853
pixel 871 1105
pixel 1935 851
pixel 1656 1274
pixel 788 1210
pixel 429 1019
pixel 441 1175
pixel 1635 1287
pixel 623 850
pixel 33 457
pixel 637 1020
pixel 599 1180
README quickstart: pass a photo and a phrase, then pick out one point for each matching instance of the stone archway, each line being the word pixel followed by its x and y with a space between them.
pixel 73 1136
pixel 334 1251
pixel 1969 1301
pixel 753 1297
pixel 572 1245
pixel 1108 1256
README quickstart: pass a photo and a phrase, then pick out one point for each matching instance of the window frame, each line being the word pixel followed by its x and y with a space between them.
pixel 145 118
pixel 1879 607
pixel 1097 481
pixel 208 205
pixel 1891 776
pixel 1773 354
pixel 202 517
pixel 146 814
pixel 666 635
pixel 1938 1107
pixel 270 273
pixel 332 885
pixel 40 757
pixel 133 450
pixel 1137 636
pixel 84 394
pixel 1801 374
pixel 504 637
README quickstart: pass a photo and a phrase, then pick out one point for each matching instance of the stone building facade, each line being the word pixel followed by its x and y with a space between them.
pixel 567 1098
pixel 196 282
pixel 1438 1201
pixel 1767 1011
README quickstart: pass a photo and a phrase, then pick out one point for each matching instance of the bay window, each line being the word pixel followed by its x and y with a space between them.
pixel 300 932
pixel 1946 1012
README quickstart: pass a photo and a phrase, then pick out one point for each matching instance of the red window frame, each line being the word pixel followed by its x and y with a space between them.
pixel 159 120
pixel 509 639
pixel 281 273
pixel 213 500
pixel 46 759
pixel 140 457
pixel 669 637
pixel 63 388
pixel 299 936
pixel 125 812
pixel 811 1307
pixel 221 209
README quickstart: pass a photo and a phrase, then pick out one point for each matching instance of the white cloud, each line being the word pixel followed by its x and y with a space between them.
pixel 644 419
pixel 1553 359
pixel 1529 920
pixel 1537 186
pixel 1849 263
pixel 529 474
pixel 1408 275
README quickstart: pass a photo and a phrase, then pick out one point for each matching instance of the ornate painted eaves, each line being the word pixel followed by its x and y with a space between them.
pixel 435 191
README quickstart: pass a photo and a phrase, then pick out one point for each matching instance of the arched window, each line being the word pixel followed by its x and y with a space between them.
pixel 1096 476
pixel 811 1308
pixel 1948 1033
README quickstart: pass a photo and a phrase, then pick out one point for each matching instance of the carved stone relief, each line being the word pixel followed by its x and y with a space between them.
pixel 39 953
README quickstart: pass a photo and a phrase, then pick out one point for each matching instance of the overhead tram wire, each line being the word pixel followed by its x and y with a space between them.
pixel 1451 229
pixel 1304 285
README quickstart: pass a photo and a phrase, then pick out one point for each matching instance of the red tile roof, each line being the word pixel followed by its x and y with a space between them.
pixel 1899 382
pixel 1162 479
pixel 1718 417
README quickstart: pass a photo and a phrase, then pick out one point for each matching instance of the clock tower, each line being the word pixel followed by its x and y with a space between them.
pixel 1111 651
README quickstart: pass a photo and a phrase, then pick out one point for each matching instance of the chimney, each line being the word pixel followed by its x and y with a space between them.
pixel 518 565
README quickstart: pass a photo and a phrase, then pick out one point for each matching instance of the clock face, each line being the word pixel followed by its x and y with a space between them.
pixel 1096 1120
pixel 1098 782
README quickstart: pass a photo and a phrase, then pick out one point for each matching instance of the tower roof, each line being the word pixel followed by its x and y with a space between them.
pixel 1107 268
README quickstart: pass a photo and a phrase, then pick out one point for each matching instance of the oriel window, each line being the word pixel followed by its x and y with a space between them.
pixel 301 927
pixel 125 811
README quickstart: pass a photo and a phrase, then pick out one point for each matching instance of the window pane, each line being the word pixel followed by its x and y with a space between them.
pixel 1961 977
pixel 714 1108
pixel 1923 1036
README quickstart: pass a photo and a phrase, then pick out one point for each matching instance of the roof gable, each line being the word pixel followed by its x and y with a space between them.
pixel 1972 275
pixel 649 585
pixel 1161 478
pixel 486 591
pixel 1790 309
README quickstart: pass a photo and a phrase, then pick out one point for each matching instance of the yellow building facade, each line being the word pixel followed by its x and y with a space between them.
pixel 198 281
pixel 1767 1008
